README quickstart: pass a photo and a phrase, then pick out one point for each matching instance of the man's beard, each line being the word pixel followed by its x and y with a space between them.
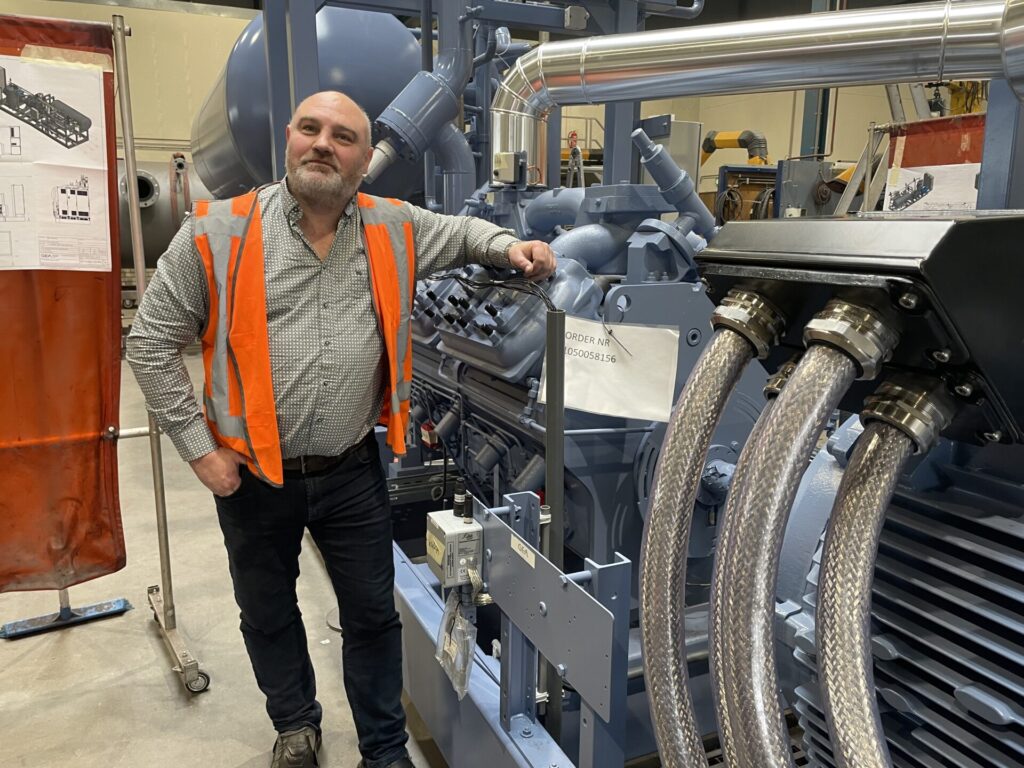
pixel 322 188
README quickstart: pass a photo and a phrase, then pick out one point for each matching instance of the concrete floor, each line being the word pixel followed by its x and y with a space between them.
pixel 103 693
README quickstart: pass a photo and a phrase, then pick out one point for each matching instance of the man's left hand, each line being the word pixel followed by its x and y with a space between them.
pixel 534 258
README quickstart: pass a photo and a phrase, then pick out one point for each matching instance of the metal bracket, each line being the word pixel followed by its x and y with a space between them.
pixel 571 628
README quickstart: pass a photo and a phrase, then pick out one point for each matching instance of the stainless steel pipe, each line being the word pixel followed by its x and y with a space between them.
pixel 925 42
pixel 747 326
pixel 902 418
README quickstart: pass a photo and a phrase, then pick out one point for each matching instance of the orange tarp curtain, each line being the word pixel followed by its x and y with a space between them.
pixel 60 370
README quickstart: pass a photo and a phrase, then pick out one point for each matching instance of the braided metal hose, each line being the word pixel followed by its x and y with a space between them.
pixel 718 587
pixel 901 416
pixel 666 544
pixel 844 596
pixel 755 518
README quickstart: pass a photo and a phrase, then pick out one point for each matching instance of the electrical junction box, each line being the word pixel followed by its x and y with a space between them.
pixel 454 545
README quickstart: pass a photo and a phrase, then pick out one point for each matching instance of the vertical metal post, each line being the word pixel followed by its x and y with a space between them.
pixel 892 92
pixel 554 160
pixel 518 654
pixel 139 258
pixel 814 128
pixel 293 69
pixel 621 160
pixel 427 36
pixel 602 744
pixel 1001 182
pixel 554 482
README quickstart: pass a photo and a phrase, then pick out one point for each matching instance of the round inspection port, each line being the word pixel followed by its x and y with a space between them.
pixel 148 186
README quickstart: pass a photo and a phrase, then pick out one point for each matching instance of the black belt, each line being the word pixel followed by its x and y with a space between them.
pixel 312 465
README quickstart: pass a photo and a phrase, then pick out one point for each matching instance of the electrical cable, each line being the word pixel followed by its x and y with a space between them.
pixel 728 202
pixel 520 284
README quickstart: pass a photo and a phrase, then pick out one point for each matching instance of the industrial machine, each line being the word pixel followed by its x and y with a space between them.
pixel 825 565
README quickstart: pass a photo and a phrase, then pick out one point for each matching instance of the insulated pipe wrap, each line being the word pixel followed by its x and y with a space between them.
pixel 666 544
pixel 845 663
pixel 756 513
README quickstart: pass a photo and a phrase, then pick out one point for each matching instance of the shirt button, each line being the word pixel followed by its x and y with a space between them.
pixel 325 384
pixel 327 305
pixel 327 342
pixel 320 420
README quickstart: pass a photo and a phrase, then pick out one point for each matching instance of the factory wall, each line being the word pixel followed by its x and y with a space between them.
pixel 173 58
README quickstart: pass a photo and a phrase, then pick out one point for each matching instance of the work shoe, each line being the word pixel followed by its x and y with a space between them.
pixel 297 749
pixel 402 762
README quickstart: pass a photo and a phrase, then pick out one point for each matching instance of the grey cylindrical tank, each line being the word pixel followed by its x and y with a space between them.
pixel 161 202
pixel 369 56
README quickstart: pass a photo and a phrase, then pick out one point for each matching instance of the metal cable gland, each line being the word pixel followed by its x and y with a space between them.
pixel 751 316
pixel 919 407
pixel 773 387
pixel 858 331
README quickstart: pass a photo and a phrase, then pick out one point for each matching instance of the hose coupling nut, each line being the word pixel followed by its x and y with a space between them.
pixel 918 406
pixel 773 387
pixel 753 317
pixel 858 331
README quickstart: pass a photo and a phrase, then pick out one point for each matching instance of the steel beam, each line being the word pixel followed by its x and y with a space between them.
pixel 1001 182
pixel 293 69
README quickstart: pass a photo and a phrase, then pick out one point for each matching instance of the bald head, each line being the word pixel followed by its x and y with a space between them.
pixel 342 107
pixel 328 150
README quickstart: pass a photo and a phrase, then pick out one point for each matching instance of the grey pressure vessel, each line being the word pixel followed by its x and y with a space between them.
pixel 369 56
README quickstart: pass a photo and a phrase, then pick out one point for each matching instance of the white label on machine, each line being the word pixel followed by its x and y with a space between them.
pixel 628 371
pixel 524 551
pixel 435 548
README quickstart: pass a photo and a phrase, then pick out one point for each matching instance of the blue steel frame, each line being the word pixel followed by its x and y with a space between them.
pixel 580 622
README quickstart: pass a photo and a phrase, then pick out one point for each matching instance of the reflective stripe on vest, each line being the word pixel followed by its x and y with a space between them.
pixel 238 393
pixel 390 247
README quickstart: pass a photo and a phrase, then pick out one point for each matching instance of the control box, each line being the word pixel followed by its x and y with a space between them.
pixel 454 545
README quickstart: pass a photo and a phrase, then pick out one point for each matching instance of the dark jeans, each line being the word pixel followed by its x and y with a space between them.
pixel 347 512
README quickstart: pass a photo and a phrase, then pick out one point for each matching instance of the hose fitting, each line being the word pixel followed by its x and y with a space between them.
pixel 753 317
pixel 773 387
pixel 919 407
pixel 860 332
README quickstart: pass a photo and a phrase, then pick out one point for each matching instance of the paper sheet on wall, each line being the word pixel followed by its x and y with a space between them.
pixel 54 211
pixel 628 371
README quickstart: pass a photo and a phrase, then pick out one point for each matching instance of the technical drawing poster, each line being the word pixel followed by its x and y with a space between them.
pixel 54 211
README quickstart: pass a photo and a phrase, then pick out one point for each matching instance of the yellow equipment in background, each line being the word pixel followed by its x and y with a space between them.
pixel 753 141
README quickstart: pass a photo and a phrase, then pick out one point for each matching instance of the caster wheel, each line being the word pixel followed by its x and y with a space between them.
pixel 200 684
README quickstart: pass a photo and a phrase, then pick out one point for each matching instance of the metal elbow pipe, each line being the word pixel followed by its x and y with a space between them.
pixel 556 207
pixel 413 120
pixel 845 342
pixel 747 326
pixel 903 417
pixel 674 183
pixel 453 153
pixel 977 39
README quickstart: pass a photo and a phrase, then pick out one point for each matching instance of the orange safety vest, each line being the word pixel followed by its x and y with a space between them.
pixel 238 395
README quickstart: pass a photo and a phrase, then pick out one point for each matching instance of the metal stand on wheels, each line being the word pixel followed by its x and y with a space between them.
pixel 161 598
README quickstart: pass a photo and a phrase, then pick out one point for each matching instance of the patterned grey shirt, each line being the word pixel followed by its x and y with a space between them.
pixel 326 350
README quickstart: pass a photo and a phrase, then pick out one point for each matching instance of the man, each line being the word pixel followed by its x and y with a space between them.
pixel 300 293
